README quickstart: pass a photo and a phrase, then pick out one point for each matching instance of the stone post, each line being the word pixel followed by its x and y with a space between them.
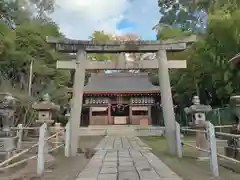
pixel 166 100
pixel 76 109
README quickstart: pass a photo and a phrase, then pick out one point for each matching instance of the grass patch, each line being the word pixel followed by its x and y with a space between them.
pixel 187 167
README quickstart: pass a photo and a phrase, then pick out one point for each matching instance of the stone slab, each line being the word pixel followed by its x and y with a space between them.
pixel 128 176
pixel 109 170
pixel 107 177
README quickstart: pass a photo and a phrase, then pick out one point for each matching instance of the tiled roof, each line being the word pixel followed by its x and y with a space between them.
pixel 124 83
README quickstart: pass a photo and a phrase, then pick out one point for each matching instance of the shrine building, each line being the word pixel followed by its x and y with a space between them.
pixel 119 99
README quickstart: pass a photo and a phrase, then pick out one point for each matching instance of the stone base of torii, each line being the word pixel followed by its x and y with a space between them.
pixel 81 64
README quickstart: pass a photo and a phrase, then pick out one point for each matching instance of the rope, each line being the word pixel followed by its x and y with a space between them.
pixel 26 150
pixel 25 160
pixel 228 134
pixel 219 155
pixel 193 130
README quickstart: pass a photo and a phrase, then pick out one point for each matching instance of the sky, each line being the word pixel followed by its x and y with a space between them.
pixel 78 19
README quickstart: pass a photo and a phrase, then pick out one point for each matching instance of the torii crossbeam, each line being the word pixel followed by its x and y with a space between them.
pixel 81 64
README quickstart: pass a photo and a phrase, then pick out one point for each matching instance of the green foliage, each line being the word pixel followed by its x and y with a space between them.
pixel 23 44
pixel 208 66
pixel 100 36
pixel 168 32
pixel 182 14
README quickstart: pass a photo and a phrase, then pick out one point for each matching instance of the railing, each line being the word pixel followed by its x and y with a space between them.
pixel 210 133
pixel 42 143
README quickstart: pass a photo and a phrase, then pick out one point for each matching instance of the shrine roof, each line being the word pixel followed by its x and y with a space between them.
pixel 120 83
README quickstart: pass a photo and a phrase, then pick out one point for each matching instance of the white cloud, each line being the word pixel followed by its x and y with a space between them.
pixel 79 18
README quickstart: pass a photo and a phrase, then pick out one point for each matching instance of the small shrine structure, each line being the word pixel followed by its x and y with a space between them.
pixel 119 98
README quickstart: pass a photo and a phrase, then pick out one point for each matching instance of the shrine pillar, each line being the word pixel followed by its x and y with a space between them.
pixel 77 99
pixel 166 100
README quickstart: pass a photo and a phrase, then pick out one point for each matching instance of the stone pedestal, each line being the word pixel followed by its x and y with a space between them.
pixel 202 143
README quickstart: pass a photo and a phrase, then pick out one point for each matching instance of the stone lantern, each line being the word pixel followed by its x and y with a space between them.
pixel 198 112
pixel 235 107
pixel 8 137
pixel 232 150
pixel 45 110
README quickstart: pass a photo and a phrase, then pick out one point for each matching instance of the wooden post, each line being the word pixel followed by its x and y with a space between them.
pixel 167 102
pixel 178 140
pixel 57 129
pixel 109 114
pixel 41 144
pixel 19 134
pixel 219 119
pixel 67 140
pixel 90 116
pixel 76 109
pixel 149 115
pixel 212 148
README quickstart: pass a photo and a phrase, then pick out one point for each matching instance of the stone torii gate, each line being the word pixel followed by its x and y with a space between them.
pixel 81 64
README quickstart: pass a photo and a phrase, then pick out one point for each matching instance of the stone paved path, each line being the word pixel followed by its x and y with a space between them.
pixel 125 158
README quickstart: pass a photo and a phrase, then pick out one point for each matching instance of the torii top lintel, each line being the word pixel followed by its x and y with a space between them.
pixel 113 46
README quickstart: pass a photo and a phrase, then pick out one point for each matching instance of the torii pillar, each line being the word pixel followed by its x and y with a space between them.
pixel 76 103
pixel 166 100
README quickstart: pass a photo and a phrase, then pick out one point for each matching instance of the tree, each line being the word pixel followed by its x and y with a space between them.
pixel 15 12
pixel 185 14
pixel 208 68
pixel 191 15
pixel 22 40
pixel 100 36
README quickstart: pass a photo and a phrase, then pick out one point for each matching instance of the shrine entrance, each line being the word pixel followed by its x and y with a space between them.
pixel 120 114
pixel 82 63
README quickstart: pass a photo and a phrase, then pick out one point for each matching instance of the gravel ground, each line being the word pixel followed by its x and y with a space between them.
pixel 63 169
